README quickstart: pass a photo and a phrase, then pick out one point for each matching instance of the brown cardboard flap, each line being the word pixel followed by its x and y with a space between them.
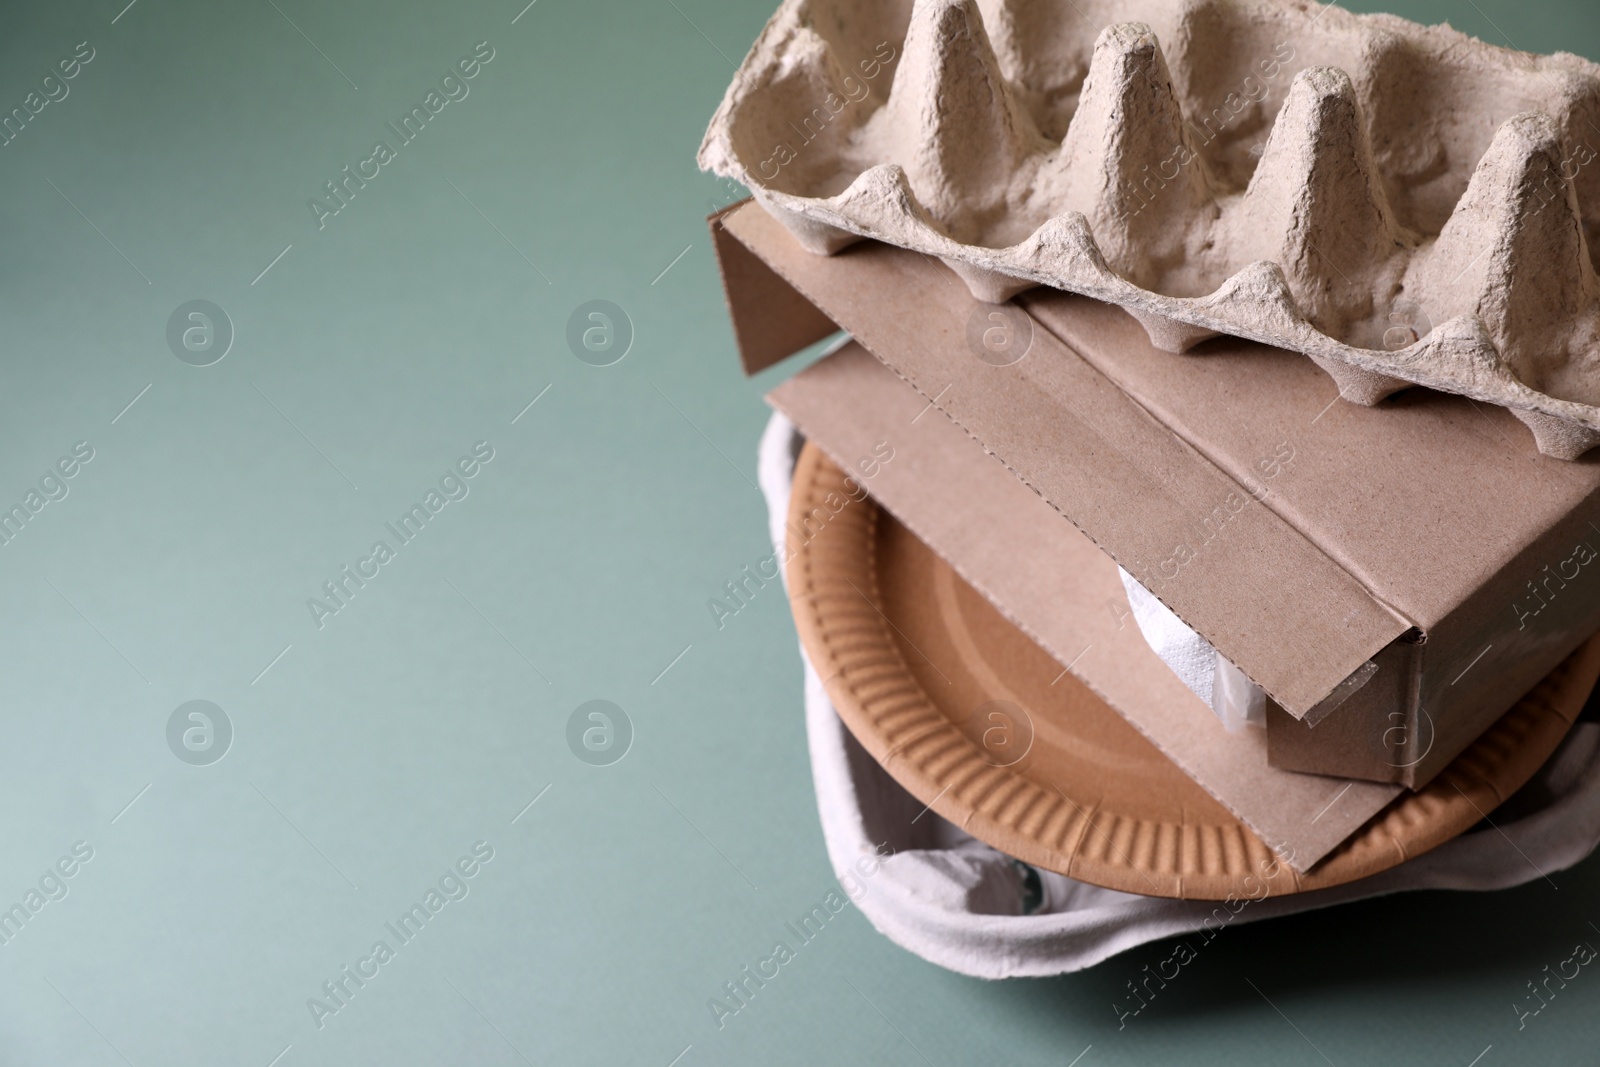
pixel 1012 547
pixel 1274 602
pixel 770 320
pixel 1417 497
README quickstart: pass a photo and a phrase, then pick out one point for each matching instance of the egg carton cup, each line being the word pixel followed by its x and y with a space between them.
pixel 1403 204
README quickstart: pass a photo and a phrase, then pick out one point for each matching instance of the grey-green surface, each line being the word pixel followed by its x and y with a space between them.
pixel 427 714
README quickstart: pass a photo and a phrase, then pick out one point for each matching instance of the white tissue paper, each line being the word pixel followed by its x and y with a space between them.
pixel 1237 701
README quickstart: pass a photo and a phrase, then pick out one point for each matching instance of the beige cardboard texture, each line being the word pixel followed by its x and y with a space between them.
pixel 1065 594
pixel 1300 536
pixel 1273 602
pixel 1404 204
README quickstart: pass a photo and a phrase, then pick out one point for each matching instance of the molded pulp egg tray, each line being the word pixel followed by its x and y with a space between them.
pixel 1405 205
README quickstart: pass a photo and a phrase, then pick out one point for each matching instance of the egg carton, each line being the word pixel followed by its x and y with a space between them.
pixel 1404 204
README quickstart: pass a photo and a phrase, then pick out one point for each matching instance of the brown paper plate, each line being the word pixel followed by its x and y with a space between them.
pixel 983 726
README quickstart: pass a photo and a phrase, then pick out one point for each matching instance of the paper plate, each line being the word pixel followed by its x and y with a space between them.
pixel 983 726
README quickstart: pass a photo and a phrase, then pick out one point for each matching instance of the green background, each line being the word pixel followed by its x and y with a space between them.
pixel 429 712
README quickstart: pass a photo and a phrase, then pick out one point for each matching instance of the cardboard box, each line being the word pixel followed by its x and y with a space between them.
pixel 1066 595
pixel 1393 577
